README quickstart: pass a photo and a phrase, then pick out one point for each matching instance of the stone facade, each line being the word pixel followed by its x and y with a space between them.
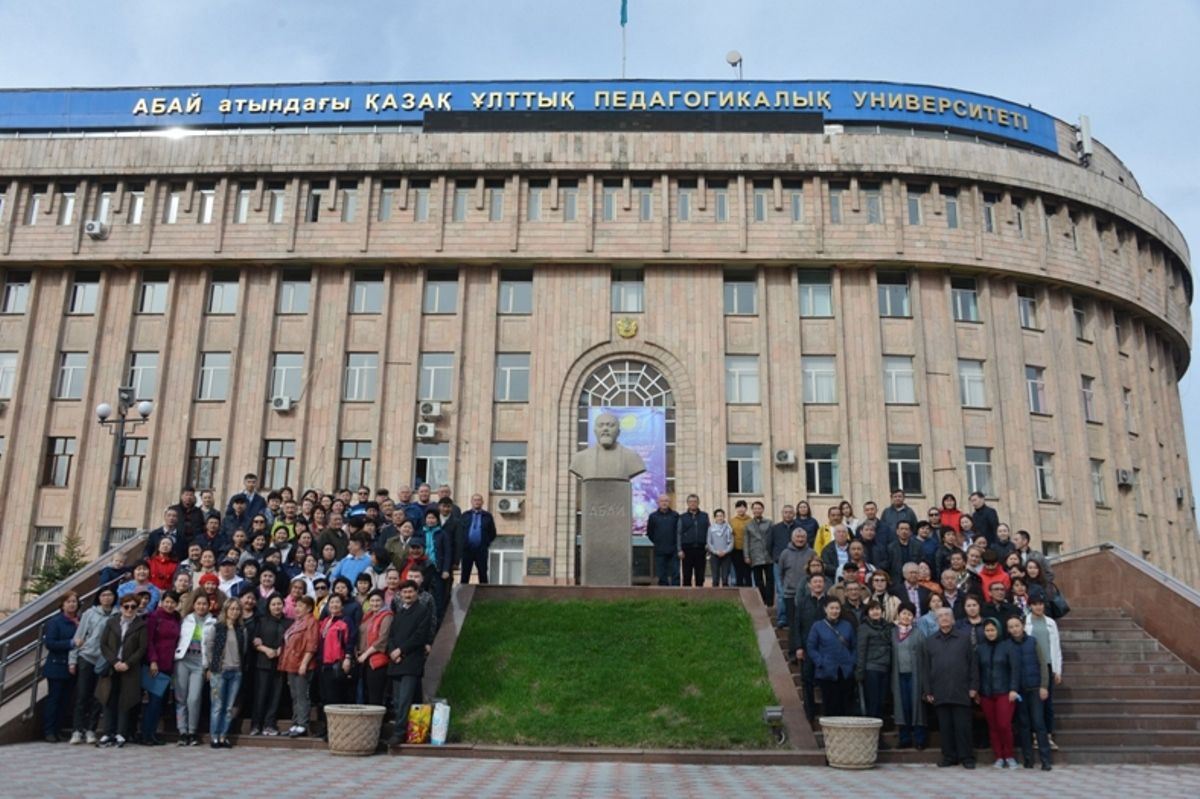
pixel 1107 270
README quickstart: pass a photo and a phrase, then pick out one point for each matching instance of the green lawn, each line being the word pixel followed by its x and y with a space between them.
pixel 649 673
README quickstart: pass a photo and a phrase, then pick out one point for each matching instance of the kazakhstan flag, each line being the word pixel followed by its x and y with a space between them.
pixel 624 12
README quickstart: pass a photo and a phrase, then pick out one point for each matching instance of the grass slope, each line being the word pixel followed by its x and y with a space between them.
pixel 647 673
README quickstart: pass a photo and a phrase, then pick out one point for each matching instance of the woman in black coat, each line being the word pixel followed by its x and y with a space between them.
pixel 58 639
pixel 123 647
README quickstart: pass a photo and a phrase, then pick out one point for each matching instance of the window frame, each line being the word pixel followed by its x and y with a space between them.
pixel 742 382
pixel 894 380
pixel 813 379
pixel 513 467
pixel 814 465
pixel 509 382
pixel 743 469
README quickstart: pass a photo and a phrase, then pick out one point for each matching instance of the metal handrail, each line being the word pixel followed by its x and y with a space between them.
pixel 1174 583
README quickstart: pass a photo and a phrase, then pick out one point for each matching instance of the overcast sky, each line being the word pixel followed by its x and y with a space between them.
pixel 1132 67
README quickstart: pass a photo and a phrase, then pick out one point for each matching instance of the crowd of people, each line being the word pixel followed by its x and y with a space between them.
pixel 274 604
pixel 932 617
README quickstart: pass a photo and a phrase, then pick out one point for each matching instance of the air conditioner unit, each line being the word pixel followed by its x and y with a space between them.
pixel 510 504
pixel 430 410
pixel 282 404
pixel 785 457
pixel 95 229
pixel 426 431
pixel 1124 478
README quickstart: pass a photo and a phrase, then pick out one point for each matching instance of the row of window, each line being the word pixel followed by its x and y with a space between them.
pixel 441 292
pixel 323 198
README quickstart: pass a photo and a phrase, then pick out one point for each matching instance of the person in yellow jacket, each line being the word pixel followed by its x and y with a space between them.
pixel 825 532
pixel 739 520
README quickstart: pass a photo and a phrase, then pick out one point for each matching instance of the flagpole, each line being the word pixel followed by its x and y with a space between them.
pixel 622 52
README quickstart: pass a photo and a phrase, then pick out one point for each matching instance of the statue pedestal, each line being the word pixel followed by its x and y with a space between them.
pixel 606 546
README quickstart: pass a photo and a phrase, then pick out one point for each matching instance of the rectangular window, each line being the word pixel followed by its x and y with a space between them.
pixel 836 193
pixel 316 199
pixel 214 376
pixel 432 463
pixel 628 291
pixel 821 473
pixel 1139 506
pixel 362 377
pixel 143 374
pixel 133 463
pixel 1127 405
pixel 279 464
pixel 950 197
pixel 349 200
pixel 8 374
pixel 66 207
pixel 1120 328
pixel 441 293
pixel 516 292
pixel 816 292
pixel 508 466
pixel 387 199
pixel 137 204
pixel 275 203
pixel 172 204
pixel 367 292
pixel 512 377
pixel 741 379
pixel 741 294
pixel 43 548
pixel 899 384
pixel 1027 307
pixel 687 199
pixel 205 200
pixel 972 392
pixel 916 196
pixel 873 200
pixel 287 374
pixel 1074 221
pixel 437 376
pixel 643 195
pixel 1099 494
pixel 964 299
pixel 1080 315
pixel 535 197
pixel 354 464
pixel 1087 394
pixel 494 194
pixel 72 375
pixel 570 199
pixel 743 469
pixel 721 201
pixel 762 201
pixel 295 286
pixel 420 201
pixel 1043 474
pixel 989 211
pixel 152 296
pixel 33 208
pixel 793 194
pixel 904 468
pixel 59 454
pixel 16 292
pixel 820 379
pixel 1019 216
pixel 893 294
pixel 204 455
pixel 241 206
pixel 85 293
pixel 609 193
pixel 1035 384
pixel 104 203
pixel 223 293
pixel 1048 214
pixel 462 198
pixel 979 471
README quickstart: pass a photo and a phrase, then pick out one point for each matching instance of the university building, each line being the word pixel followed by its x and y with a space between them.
pixel 827 289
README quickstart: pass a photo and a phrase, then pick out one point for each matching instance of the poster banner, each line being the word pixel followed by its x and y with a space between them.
pixel 643 430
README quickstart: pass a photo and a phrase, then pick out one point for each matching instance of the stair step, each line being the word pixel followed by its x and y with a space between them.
pixel 1139 755
pixel 1170 693
pixel 1071 635
pixel 1093 722
pixel 1074 656
pixel 1127 737
pixel 1098 624
pixel 1077 679
pixel 1097 668
pixel 1126 706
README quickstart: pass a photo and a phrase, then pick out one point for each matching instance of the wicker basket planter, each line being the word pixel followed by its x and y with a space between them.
pixel 850 741
pixel 354 729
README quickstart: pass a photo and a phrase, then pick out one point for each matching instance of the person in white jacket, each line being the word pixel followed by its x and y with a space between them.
pixel 194 632
pixel 719 546
pixel 1045 631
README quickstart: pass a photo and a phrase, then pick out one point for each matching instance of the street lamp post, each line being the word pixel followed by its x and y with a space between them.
pixel 117 429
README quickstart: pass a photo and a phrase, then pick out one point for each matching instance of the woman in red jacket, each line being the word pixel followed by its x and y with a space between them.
pixel 162 634
pixel 163 566
pixel 299 657
pixel 372 648
pixel 951 515
pixel 336 653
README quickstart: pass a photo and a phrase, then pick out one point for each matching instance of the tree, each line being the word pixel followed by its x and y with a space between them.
pixel 69 559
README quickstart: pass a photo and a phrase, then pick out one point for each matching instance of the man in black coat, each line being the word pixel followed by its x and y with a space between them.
pixel 984 517
pixel 692 535
pixel 170 529
pixel 661 526
pixel 909 590
pixel 407 638
pixel 808 611
pixel 478 530
pixel 950 674
pixel 191 518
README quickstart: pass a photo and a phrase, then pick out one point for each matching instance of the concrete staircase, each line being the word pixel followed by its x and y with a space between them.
pixel 1125 698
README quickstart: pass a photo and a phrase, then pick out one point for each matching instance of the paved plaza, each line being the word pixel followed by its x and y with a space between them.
pixel 43 771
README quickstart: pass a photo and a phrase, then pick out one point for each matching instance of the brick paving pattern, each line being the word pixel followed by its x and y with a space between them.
pixel 44 771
